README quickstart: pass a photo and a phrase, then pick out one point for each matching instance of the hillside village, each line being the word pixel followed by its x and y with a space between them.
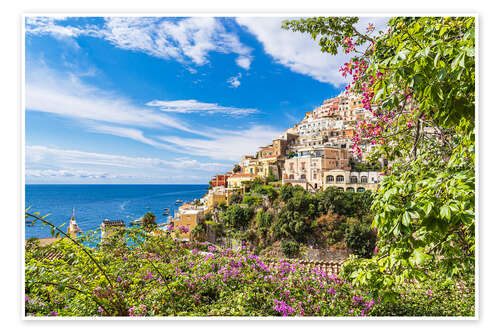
pixel 315 154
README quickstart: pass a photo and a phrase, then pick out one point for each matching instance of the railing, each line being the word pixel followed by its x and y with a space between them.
pixel 329 267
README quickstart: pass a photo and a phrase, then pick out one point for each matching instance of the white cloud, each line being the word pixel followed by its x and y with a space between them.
pixel 227 145
pixel 58 173
pixel 298 51
pixel 194 106
pixel 67 95
pixel 244 62
pixel 185 39
pixel 46 162
pixel 130 133
pixel 234 81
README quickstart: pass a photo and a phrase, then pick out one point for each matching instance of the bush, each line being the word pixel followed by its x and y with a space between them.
pixel 290 248
pixel 360 239
pixel 236 217
pixel 138 280
pixel 251 200
pixel 235 198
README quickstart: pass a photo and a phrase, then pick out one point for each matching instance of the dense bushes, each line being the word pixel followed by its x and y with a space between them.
pixel 320 219
pixel 156 276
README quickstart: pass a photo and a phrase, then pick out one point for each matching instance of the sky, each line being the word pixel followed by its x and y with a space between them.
pixel 164 100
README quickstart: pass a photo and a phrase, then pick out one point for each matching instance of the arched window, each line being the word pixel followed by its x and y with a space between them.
pixel 354 179
pixel 360 189
pixel 350 189
pixel 329 179
pixel 302 176
pixel 290 177
pixel 340 179
pixel 364 179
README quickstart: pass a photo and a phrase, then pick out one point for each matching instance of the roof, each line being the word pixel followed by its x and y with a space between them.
pixel 243 175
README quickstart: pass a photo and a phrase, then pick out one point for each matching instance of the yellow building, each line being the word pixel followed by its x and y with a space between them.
pixel 215 198
pixel 236 180
pixel 189 218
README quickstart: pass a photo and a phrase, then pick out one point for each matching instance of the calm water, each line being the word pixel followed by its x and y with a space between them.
pixel 94 203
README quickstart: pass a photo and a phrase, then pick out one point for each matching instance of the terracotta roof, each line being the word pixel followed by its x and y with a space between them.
pixel 243 175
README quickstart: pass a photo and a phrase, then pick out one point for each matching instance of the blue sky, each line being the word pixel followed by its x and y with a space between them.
pixel 163 100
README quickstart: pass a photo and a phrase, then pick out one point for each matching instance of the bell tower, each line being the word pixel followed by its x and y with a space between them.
pixel 73 228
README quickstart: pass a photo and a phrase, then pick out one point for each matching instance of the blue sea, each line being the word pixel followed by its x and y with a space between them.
pixel 94 203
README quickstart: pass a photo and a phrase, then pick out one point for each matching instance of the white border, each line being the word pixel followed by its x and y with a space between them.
pixel 255 13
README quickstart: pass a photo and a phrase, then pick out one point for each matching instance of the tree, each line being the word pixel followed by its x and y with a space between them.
pixel 418 80
pixel 237 168
pixel 271 177
pixel 236 217
pixel 149 221
pixel 360 239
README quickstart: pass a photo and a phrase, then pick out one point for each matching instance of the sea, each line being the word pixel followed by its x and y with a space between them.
pixel 95 203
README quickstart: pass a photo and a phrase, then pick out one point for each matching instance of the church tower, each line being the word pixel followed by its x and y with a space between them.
pixel 73 228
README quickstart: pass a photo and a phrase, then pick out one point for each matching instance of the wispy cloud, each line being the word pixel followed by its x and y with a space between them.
pixel 184 40
pixel 298 51
pixel 234 81
pixel 65 94
pixel 130 133
pixel 227 145
pixel 194 106
pixel 51 163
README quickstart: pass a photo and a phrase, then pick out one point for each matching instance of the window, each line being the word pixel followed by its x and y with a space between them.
pixel 290 177
pixel 329 179
pixel 364 179
pixel 302 176
pixel 291 166
pixel 354 179
pixel 360 189
pixel 340 179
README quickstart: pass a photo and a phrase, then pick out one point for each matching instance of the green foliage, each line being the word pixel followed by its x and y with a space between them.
pixel 252 200
pixel 235 198
pixel 237 168
pixel 156 276
pixel 149 221
pixel 237 217
pixel 268 191
pixel 360 239
pixel 421 72
pixel 271 177
pixel 290 248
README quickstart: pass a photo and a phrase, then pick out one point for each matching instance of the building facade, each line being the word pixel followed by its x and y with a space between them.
pixel 354 181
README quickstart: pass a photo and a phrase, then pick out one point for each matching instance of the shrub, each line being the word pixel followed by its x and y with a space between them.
pixel 251 200
pixel 360 239
pixel 290 248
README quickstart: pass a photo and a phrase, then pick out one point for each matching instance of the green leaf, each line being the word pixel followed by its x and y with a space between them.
pixel 445 212
pixel 420 256
pixel 406 219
